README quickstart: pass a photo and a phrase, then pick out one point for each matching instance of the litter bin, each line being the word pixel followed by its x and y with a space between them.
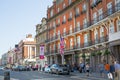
pixel 6 75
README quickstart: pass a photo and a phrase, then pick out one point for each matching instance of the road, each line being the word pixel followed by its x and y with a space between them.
pixel 36 75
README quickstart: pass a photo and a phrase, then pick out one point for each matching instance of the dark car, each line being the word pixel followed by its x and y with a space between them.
pixel 59 69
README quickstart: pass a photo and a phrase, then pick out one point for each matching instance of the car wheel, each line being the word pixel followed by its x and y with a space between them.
pixel 57 72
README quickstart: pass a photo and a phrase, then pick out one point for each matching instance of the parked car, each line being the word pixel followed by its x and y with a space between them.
pixel 47 69
pixel 19 68
pixel 59 69
pixel 2 68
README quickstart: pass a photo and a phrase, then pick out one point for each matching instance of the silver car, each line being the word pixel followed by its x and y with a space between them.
pixel 59 69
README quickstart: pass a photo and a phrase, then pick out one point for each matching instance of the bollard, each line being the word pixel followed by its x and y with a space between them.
pixel 7 75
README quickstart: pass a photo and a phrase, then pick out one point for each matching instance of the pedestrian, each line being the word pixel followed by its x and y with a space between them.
pixel 117 70
pixel 101 68
pixel 87 69
pixel 112 69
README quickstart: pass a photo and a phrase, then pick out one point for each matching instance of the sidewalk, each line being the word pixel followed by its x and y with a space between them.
pixel 92 76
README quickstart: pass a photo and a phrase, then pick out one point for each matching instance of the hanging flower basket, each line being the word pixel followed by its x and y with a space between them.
pixel 99 53
pixel 83 55
pixel 107 52
pixel 93 54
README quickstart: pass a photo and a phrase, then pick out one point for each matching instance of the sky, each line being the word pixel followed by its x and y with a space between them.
pixel 19 18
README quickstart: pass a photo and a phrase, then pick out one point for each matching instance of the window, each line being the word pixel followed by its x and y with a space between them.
pixel 71 43
pixel 96 36
pixel 118 25
pixel 84 7
pixel 69 1
pixel 111 29
pixel 58 33
pixel 64 31
pixel 51 13
pixel 85 40
pixel 77 11
pixel 85 23
pixel 54 24
pixel 64 43
pixel 70 14
pixel 100 14
pixel 64 18
pixel 117 3
pixel 101 32
pixel 78 41
pixel 58 21
pixel 70 29
pixel 94 1
pixel 63 5
pixel 109 7
pixel 58 9
pixel 54 47
pixel 95 17
pixel 78 26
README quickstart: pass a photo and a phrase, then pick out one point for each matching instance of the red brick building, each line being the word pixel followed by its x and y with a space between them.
pixel 87 27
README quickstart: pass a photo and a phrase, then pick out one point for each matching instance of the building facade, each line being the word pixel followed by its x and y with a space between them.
pixel 40 40
pixel 88 28
pixel 26 53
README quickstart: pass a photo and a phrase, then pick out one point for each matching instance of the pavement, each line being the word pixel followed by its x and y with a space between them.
pixel 92 76
pixel 77 75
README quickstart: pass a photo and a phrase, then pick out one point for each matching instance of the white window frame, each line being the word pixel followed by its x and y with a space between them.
pixel 111 28
pixel 51 13
pixel 70 15
pixel 94 1
pixel 64 5
pixel 54 24
pixel 58 33
pixel 64 30
pixel 85 23
pixel 101 31
pixel 94 17
pixel 78 41
pixel 69 2
pixel 85 39
pixel 84 7
pixel 70 29
pixel 71 43
pixel 78 26
pixel 109 7
pixel 77 11
pixel 64 18
pixel 59 21
pixel 58 9
pixel 100 12
pixel 117 2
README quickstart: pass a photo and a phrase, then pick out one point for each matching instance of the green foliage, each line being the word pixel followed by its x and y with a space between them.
pixel 93 54
pixel 107 52
pixel 99 53
pixel 83 55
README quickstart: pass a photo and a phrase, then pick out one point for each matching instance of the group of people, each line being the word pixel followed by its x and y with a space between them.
pixel 112 70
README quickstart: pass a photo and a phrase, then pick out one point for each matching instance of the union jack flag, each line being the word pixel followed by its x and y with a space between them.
pixel 61 45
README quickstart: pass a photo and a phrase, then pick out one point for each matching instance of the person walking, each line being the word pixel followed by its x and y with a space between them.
pixel 117 70
pixel 101 68
pixel 112 69
pixel 87 69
